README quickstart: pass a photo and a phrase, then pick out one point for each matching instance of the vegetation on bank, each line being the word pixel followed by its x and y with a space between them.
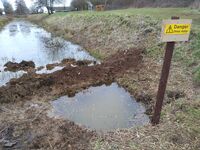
pixel 180 130
pixel 113 4
pixel 4 21
pixel 104 33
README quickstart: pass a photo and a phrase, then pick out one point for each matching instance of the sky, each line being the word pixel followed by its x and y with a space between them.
pixel 29 3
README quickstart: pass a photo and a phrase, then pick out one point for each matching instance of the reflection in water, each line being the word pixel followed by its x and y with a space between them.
pixel 13 29
pixel 25 29
pixel 38 45
pixel 22 40
pixel 102 108
pixel 6 76
pixel 55 47
pixel 53 43
pixel 45 71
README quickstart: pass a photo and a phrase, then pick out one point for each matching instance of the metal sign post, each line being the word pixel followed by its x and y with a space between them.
pixel 173 30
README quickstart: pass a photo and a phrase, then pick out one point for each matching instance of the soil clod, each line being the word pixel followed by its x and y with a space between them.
pixel 23 65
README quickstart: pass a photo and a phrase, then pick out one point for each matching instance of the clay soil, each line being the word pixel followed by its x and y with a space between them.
pixel 24 103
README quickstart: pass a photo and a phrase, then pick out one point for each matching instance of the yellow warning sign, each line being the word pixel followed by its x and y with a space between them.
pixel 177 28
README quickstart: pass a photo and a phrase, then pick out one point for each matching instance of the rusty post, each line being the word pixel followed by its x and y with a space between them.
pixel 163 80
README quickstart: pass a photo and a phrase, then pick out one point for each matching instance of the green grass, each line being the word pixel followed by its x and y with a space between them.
pixel 189 54
pixel 197 76
pixel 189 114
pixel 178 130
pixel 180 119
pixel 4 21
pixel 159 13
pixel 132 20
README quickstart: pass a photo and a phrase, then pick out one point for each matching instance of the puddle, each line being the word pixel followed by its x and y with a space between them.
pixel 6 76
pixel 103 108
pixel 21 40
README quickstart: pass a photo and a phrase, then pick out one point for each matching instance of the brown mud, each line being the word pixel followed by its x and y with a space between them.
pixel 143 83
pixel 23 110
pixel 24 122
pixel 29 66
pixel 23 65
pixel 70 80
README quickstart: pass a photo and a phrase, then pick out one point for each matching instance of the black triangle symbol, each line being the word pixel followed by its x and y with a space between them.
pixel 170 30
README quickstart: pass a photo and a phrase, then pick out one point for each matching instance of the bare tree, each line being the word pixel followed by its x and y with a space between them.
pixel 79 4
pixel 48 4
pixel 33 9
pixel 8 9
pixel 196 4
pixel 21 7
pixel 1 11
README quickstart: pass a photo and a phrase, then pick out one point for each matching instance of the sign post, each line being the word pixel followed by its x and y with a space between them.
pixel 173 30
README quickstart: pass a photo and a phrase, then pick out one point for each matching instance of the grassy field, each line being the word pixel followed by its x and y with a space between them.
pixel 105 33
pixel 159 13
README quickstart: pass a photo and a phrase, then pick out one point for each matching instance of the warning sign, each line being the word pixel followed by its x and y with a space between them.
pixel 169 29
pixel 176 30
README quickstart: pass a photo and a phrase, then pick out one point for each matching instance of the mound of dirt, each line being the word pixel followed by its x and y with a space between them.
pixel 24 65
pixel 70 80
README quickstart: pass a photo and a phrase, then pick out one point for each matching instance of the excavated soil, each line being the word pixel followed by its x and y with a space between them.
pixel 23 110
pixel 24 65
pixel 70 80
pixel 25 123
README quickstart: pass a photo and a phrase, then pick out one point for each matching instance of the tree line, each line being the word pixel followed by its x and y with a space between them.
pixel 21 8
pixel 46 3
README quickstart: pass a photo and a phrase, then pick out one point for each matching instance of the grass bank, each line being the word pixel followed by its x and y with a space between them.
pixel 4 21
pixel 105 33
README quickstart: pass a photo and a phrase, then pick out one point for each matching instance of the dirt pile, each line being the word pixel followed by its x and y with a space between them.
pixel 29 127
pixel 70 80
pixel 24 65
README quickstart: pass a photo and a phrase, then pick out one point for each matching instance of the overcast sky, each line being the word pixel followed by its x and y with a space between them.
pixel 29 2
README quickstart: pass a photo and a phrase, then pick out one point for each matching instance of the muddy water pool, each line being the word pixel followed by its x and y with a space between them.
pixel 103 108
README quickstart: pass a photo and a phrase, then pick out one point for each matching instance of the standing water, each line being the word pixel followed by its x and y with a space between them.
pixel 21 40
pixel 103 108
